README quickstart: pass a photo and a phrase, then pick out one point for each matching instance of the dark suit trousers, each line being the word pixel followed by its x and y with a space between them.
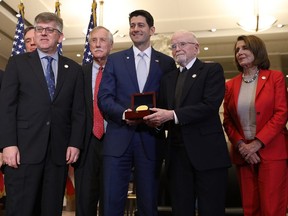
pixel 35 189
pixel 88 180
pixel 117 173
pixel 188 184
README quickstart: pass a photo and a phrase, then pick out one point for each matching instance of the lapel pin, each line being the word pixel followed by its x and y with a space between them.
pixel 263 77
pixel 194 76
pixel 127 57
pixel 66 66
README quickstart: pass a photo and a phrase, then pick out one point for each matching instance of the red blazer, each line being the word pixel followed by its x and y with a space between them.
pixel 271 115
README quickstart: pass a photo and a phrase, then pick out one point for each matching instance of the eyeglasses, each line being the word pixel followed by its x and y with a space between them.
pixel 181 45
pixel 48 30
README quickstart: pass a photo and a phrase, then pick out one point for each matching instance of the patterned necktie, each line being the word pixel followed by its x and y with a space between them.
pixel 49 75
pixel 98 121
pixel 141 71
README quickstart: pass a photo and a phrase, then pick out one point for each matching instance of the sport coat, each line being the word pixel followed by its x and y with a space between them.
pixel 198 113
pixel 30 120
pixel 271 115
pixel 119 83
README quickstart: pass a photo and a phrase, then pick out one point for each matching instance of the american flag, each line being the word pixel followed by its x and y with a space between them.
pixel 87 55
pixel 18 43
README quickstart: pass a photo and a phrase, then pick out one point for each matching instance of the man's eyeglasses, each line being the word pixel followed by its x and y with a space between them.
pixel 181 45
pixel 48 30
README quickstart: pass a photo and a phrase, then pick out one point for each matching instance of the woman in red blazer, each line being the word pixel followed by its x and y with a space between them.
pixel 255 116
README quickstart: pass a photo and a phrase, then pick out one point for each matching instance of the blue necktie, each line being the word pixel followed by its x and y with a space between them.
pixel 141 71
pixel 49 75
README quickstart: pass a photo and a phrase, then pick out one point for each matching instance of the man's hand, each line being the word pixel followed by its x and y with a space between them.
pixel 132 122
pixel 11 156
pixel 158 117
pixel 72 154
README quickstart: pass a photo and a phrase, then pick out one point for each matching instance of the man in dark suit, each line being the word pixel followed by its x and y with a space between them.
pixel 198 158
pixel 88 182
pixel 1 155
pixel 29 33
pixel 42 122
pixel 131 143
pixel 1 158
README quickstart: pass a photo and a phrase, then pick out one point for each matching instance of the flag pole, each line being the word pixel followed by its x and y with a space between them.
pixel 57 12
pixel 57 8
pixel 94 7
pixel 101 12
pixel 21 9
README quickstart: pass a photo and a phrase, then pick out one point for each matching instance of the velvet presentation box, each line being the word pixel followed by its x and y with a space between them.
pixel 147 99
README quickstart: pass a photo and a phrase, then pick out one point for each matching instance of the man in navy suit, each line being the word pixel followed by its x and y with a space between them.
pixel 198 157
pixel 41 127
pixel 131 143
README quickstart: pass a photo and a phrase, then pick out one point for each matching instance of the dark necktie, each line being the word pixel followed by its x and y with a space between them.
pixel 179 86
pixel 50 78
pixel 98 121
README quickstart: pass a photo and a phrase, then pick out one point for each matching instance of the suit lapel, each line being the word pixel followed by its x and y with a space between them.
pixel 130 67
pixel 63 68
pixel 154 69
pixel 237 85
pixel 36 65
pixel 88 70
pixel 193 74
pixel 262 79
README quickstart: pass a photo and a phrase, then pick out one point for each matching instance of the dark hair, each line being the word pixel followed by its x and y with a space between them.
pixel 146 14
pixel 46 17
pixel 28 28
pixel 258 48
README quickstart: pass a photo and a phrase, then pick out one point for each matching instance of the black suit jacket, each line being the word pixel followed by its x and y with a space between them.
pixel 1 75
pixel 28 117
pixel 87 70
pixel 198 114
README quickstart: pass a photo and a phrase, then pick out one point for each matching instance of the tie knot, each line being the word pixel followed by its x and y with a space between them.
pixel 141 54
pixel 184 69
pixel 49 59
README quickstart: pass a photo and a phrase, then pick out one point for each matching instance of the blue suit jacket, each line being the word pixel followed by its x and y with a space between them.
pixel 119 82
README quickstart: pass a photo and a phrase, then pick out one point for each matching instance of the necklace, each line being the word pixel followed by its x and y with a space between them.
pixel 252 79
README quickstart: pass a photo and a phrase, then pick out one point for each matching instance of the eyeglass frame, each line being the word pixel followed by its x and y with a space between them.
pixel 181 45
pixel 48 30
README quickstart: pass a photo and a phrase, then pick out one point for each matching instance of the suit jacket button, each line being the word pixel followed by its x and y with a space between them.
pixel 48 123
